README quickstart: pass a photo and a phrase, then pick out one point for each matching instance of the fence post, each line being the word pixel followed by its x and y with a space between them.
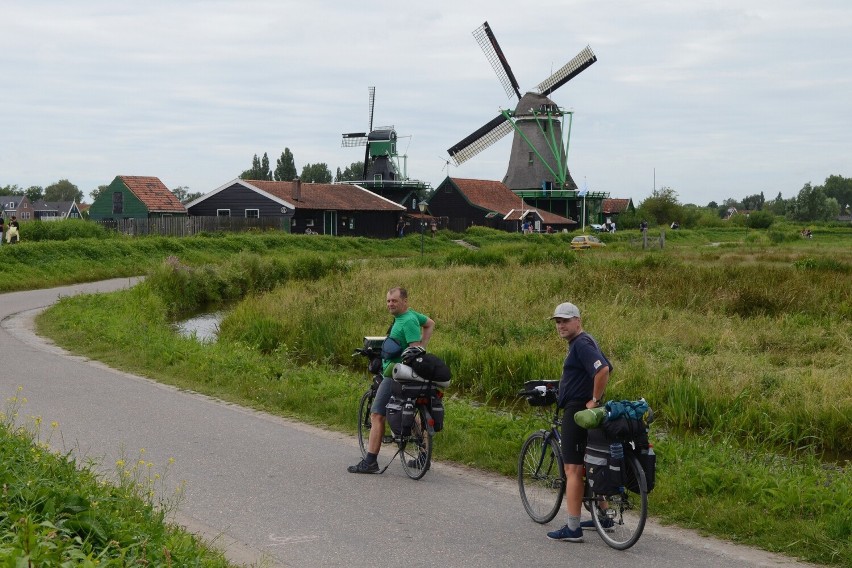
pixel 662 239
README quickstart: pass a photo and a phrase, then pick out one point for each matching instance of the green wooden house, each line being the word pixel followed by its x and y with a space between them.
pixel 136 197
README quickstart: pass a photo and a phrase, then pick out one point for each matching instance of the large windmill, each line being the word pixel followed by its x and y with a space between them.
pixel 382 173
pixel 539 153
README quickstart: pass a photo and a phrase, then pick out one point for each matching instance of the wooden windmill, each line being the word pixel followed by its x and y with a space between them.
pixel 539 151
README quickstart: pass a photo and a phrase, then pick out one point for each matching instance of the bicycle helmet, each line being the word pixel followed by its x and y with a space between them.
pixel 411 353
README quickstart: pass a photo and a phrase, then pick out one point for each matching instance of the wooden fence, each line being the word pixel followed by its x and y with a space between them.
pixel 189 226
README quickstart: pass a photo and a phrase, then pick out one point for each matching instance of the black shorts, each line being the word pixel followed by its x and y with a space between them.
pixel 573 436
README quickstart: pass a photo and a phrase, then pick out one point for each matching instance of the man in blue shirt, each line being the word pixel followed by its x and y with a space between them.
pixel 584 377
pixel 410 328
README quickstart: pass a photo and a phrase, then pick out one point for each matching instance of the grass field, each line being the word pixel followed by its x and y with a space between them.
pixel 739 339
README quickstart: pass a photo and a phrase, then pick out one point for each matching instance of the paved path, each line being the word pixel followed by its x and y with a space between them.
pixel 276 492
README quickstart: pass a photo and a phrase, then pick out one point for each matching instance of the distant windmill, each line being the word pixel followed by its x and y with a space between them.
pixel 380 153
pixel 538 153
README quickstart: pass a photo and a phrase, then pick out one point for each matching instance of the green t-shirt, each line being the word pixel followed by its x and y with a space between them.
pixel 406 330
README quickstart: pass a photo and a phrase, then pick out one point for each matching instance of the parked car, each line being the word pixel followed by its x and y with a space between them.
pixel 597 228
pixel 585 242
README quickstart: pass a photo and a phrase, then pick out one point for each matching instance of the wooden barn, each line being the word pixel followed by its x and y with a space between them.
pixel 469 202
pixel 136 197
pixel 311 208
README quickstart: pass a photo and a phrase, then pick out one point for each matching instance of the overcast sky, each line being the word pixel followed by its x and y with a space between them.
pixel 715 98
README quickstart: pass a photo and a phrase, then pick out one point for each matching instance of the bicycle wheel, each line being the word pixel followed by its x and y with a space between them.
pixel 621 522
pixel 541 477
pixel 364 421
pixel 416 449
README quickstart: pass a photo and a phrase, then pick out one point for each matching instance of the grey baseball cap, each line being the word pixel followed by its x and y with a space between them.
pixel 566 310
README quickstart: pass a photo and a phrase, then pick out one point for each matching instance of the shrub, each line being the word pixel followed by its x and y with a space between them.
pixel 760 220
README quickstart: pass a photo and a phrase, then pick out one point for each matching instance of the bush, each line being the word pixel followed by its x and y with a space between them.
pixel 760 220
pixel 63 230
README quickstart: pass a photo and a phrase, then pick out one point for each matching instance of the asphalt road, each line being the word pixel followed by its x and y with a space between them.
pixel 274 491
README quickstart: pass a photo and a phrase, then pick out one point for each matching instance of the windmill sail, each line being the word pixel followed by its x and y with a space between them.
pixel 494 130
pixel 488 42
pixel 568 71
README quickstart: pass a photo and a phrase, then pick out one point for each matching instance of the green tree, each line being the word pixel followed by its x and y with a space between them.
pixel 353 172
pixel 259 169
pixel 11 190
pixel 316 173
pixel 63 190
pixel 285 167
pixel 840 188
pixel 662 207
pixel 184 195
pixel 96 192
pixel 34 193
pixel 754 202
pixel 811 204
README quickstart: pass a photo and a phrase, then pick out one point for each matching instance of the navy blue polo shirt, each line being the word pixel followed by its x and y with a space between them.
pixel 583 362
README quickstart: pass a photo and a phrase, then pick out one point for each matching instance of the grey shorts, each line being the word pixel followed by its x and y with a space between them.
pixel 383 394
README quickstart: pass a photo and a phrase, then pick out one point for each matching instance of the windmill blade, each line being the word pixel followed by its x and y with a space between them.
pixel 372 105
pixel 354 139
pixel 486 40
pixel 568 71
pixel 484 137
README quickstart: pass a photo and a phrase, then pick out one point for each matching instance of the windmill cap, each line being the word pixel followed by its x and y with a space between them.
pixel 566 310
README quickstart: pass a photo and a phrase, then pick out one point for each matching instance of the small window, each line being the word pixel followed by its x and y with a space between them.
pixel 223 212
pixel 309 223
pixel 117 203
pixel 253 213
pixel 531 159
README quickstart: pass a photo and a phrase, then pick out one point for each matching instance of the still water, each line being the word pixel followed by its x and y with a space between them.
pixel 205 327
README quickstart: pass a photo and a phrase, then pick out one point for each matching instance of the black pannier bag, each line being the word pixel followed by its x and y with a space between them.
pixel 631 430
pixel 400 416
pixel 648 461
pixel 605 474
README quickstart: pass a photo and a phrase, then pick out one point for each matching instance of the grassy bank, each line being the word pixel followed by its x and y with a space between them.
pixel 741 348
pixel 55 512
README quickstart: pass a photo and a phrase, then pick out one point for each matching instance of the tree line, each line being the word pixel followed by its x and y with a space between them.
pixel 824 202
pixel 285 170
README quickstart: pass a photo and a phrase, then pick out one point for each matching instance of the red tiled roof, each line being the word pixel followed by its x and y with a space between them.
pixel 331 196
pixel 614 205
pixel 495 196
pixel 154 194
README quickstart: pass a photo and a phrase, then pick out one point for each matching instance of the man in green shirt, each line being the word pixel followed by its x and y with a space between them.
pixel 410 328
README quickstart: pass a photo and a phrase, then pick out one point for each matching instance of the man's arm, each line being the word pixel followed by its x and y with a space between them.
pixel 601 379
pixel 425 333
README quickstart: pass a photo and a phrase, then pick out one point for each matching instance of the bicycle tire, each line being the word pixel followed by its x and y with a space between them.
pixel 416 448
pixel 541 477
pixel 364 422
pixel 628 511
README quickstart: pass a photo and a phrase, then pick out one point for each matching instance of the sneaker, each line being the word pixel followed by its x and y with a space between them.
pixel 566 534
pixel 364 467
pixel 590 524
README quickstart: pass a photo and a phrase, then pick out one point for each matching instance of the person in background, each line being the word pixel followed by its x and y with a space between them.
pixel 2 228
pixel 13 232
pixel 585 374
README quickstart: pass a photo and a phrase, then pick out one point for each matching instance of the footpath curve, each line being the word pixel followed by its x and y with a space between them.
pixel 275 492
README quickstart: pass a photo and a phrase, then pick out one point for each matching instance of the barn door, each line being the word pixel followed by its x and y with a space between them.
pixel 330 223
